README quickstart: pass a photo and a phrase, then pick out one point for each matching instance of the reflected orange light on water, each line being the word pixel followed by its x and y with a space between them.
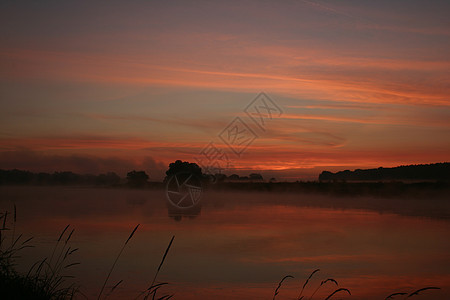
pixel 239 246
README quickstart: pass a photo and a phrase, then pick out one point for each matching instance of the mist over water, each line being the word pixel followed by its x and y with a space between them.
pixel 238 245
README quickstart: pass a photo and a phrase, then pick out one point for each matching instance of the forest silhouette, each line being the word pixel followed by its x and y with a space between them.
pixel 438 171
pixel 430 180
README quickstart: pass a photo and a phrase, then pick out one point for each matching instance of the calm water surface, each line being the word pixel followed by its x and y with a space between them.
pixel 238 245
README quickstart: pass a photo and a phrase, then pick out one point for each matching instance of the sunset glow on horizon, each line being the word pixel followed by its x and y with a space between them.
pixel 116 86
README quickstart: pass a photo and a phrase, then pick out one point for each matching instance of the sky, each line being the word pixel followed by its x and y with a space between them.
pixel 115 86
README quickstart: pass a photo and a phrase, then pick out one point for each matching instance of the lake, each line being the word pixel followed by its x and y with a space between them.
pixel 239 245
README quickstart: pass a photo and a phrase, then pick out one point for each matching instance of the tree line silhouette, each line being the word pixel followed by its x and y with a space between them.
pixel 57 178
pixel 192 168
pixel 437 171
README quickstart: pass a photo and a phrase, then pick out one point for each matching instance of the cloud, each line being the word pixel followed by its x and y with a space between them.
pixel 80 142
pixel 320 74
pixel 380 70
pixel 196 123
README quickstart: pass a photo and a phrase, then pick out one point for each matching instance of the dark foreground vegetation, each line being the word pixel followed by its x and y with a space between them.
pixel 50 279
pixel 338 290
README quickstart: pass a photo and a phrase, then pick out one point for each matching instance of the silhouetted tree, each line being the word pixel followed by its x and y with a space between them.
pixel 184 166
pixel 109 178
pixel 220 177
pixel 233 177
pixel 255 177
pixel 66 177
pixel 137 178
pixel 15 177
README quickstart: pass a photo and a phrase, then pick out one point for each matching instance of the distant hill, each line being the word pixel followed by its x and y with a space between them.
pixel 438 171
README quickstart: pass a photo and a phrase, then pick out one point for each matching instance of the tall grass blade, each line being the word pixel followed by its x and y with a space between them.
pixel 4 220
pixel 15 242
pixel 60 260
pixel 72 251
pixel 157 286
pixel 115 262
pixel 62 233
pixel 38 271
pixel 162 261
pixel 279 285
pixel 57 242
pixel 70 235
pixel 14 222
pixel 306 283
pixel 423 289
pixel 337 291
pixel 115 286
pixel 26 241
pixel 154 289
pixel 394 294
pixel 165 253
pixel 132 233
pixel 72 264
pixel 152 285
pixel 322 283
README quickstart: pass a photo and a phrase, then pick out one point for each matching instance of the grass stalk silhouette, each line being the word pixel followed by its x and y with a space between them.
pixel 395 294
pixel 423 289
pixel 14 222
pixel 337 291
pixel 57 242
pixel 43 280
pixel 279 285
pixel 151 289
pixel 415 293
pixel 115 261
pixel 321 284
pixel 306 283
pixel 113 288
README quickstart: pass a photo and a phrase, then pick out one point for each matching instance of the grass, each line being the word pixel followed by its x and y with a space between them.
pixel 279 285
pixel 341 290
pixel 323 282
pixel 114 264
pixel 152 289
pixel 306 283
pixel 415 293
pixel 45 278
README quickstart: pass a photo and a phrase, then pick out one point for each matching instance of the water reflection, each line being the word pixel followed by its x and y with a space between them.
pixel 243 243
pixel 178 214
pixel 183 194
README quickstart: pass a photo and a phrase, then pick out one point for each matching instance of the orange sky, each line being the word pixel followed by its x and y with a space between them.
pixel 94 88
